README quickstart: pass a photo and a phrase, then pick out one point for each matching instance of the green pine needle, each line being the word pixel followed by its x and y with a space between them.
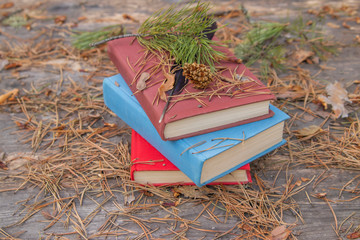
pixel 82 40
pixel 260 44
pixel 265 43
pixel 311 36
pixel 15 21
pixel 181 32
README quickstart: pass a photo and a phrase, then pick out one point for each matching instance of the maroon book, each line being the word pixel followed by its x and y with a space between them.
pixel 149 166
pixel 192 116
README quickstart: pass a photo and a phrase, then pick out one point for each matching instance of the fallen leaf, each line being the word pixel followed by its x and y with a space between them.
pixel 12 65
pixel 308 131
pixel 176 194
pixel 333 25
pixel 3 166
pixel 323 100
pixel 7 5
pixel 337 97
pixel 280 233
pixel 308 117
pixel 357 39
pixel 28 27
pixel 22 125
pixel 3 63
pixel 305 179
pixel 17 163
pixel 166 86
pixel 141 83
pixel 7 95
pixel 353 235
pixel 328 9
pixel 299 56
pixel 191 192
pixel 293 92
pixel 60 19
pixel 345 25
pixel 290 94
pixel 82 18
pixel 76 66
pixel 245 227
pixel 148 194
pixel 320 195
pixel 298 183
pixel 129 199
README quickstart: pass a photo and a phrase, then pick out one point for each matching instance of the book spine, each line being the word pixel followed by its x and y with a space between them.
pixel 128 75
pixel 133 151
pixel 132 114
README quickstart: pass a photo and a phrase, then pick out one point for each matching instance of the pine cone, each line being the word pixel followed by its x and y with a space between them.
pixel 198 74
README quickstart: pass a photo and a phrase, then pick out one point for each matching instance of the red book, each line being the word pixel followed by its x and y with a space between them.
pixel 149 166
pixel 190 117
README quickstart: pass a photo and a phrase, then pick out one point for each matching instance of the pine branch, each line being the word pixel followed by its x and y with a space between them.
pixel 185 37
pixel 182 32
pixel 83 40
pixel 115 37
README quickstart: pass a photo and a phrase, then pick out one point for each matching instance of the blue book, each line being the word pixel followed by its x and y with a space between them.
pixel 203 158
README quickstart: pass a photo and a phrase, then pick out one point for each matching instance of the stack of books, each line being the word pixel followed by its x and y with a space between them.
pixel 208 140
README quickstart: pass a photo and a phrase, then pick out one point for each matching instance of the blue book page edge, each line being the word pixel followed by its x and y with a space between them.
pixel 248 161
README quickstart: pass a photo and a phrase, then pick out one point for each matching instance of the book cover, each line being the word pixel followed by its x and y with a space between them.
pixel 203 158
pixel 190 117
pixel 149 166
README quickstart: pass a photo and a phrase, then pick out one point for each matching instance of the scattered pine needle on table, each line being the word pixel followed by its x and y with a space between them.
pixel 79 156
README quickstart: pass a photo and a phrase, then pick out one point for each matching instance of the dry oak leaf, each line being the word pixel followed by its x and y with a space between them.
pixel 7 5
pixel 12 65
pixel 299 56
pixel 60 19
pixel 3 63
pixel 166 86
pixel 305 179
pixel 19 163
pixel 141 83
pixel 337 97
pixel 82 18
pixel 280 233
pixel 291 91
pixel 345 25
pixel 320 195
pixel 245 227
pixel 7 95
pixel 308 131
pixel 191 192
pixel 353 235
pixel 3 166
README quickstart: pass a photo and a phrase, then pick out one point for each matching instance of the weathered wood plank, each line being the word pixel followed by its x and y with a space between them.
pixel 316 213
